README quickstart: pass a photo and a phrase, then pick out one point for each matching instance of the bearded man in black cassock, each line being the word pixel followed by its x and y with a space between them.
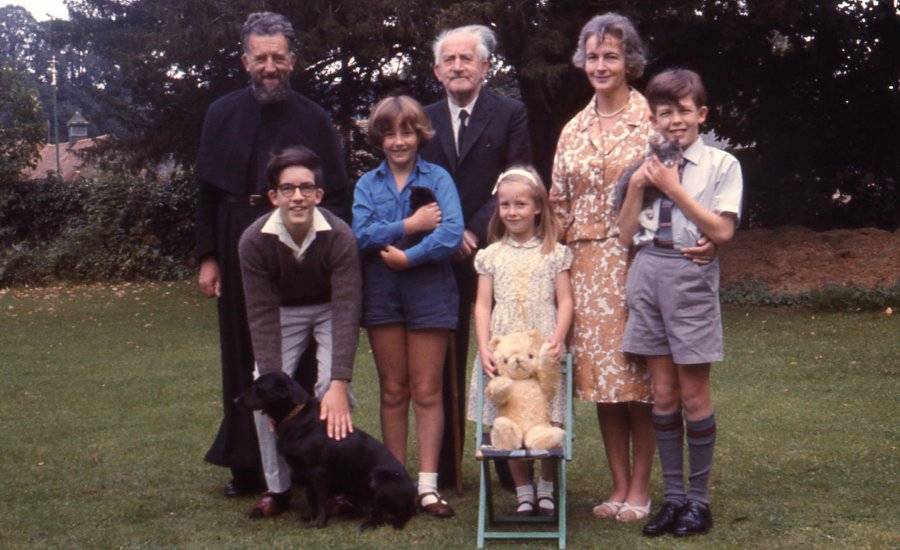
pixel 240 132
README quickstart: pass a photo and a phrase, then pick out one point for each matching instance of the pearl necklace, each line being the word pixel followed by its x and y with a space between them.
pixel 614 113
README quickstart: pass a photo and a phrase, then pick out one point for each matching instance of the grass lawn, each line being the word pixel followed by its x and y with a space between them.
pixel 110 397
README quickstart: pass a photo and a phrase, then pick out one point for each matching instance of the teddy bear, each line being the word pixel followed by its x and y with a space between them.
pixel 527 380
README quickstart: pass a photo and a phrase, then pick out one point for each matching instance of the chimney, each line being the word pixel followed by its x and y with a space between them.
pixel 77 128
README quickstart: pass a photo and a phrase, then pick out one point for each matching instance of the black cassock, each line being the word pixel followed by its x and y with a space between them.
pixel 239 136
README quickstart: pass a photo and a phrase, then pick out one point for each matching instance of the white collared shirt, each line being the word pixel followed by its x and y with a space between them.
pixel 275 226
pixel 454 116
pixel 713 178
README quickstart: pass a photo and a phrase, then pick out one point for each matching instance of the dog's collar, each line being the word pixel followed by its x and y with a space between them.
pixel 294 412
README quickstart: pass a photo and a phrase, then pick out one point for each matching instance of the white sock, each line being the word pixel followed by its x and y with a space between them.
pixel 525 493
pixel 428 484
pixel 545 489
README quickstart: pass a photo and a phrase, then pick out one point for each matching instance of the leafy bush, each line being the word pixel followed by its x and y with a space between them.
pixel 833 298
pixel 116 227
pixel 830 298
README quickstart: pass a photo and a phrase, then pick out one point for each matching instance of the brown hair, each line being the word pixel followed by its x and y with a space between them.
pixel 296 155
pixel 546 224
pixel 617 26
pixel 403 109
pixel 671 85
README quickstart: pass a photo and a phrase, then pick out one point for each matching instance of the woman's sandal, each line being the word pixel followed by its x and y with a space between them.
pixel 608 509
pixel 544 510
pixel 439 509
pixel 638 512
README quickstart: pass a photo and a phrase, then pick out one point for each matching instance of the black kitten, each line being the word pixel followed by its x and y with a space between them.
pixel 669 153
pixel 418 197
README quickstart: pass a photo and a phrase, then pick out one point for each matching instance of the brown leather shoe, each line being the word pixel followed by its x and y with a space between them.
pixel 439 509
pixel 269 506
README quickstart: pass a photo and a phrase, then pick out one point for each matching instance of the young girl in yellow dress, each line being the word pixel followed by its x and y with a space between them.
pixel 523 284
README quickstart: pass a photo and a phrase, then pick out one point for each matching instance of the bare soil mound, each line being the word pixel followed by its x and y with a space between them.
pixel 795 259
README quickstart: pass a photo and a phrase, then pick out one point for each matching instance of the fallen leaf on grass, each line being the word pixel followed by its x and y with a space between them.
pixel 95 458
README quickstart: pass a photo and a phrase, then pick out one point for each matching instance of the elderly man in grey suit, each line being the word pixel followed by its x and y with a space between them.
pixel 478 135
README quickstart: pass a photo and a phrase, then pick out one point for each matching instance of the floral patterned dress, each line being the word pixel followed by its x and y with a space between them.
pixel 524 285
pixel 589 162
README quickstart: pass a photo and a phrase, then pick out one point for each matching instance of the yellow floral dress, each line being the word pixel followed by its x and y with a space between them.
pixel 589 162
pixel 524 286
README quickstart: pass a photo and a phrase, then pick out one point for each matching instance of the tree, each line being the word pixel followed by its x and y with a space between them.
pixel 808 90
pixel 21 127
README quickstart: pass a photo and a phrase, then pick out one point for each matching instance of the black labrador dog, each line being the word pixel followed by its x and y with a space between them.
pixel 357 467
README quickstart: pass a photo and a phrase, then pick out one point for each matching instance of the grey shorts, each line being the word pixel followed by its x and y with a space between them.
pixel 673 308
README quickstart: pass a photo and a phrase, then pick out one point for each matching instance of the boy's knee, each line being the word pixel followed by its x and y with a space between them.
pixel 696 405
pixel 666 396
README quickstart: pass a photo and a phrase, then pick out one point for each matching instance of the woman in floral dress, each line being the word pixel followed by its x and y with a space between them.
pixel 595 148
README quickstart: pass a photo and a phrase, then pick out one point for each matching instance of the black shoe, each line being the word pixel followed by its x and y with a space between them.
pixel 695 519
pixel 235 488
pixel 664 520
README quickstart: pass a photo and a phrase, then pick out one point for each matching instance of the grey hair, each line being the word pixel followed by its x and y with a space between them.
pixel 617 26
pixel 266 23
pixel 485 41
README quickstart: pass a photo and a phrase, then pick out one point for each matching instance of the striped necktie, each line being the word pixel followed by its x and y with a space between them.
pixel 663 238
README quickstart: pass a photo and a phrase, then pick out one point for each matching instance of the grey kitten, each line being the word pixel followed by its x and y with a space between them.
pixel 669 153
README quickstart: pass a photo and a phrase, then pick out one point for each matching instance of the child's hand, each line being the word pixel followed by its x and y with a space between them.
pixel 394 258
pixel 556 348
pixel 424 219
pixel 638 180
pixel 487 364
pixel 665 178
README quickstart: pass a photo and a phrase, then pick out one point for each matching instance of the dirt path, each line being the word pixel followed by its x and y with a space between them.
pixel 796 259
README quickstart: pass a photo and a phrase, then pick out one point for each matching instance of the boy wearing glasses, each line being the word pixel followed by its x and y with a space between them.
pixel 301 276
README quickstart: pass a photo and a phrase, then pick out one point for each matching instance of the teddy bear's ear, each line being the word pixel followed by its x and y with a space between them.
pixel 495 341
pixel 536 339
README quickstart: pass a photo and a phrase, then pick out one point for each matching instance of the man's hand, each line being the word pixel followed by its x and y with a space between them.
pixel 703 253
pixel 394 258
pixel 210 278
pixel 468 247
pixel 424 219
pixel 335 410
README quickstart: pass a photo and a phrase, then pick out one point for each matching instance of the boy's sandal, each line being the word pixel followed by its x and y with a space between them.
pixel 546 511
pixel 608 509
pixel 525 508
pixel 638 512
pixel 439 508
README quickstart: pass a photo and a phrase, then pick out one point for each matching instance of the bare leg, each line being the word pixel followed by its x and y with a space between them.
pixel 615 429
pixel 426 350
pixel 643 445
pixel 389 348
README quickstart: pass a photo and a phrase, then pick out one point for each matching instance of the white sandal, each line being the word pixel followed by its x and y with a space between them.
pixel 607 509
pixel 640 512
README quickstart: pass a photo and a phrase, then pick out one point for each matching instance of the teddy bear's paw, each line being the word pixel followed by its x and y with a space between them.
pixel 506 435
pixel 544 438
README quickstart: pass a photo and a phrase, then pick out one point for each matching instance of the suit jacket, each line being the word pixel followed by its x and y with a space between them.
pixel 496 138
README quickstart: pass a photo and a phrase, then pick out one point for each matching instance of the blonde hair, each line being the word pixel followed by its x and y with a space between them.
pixel 546 224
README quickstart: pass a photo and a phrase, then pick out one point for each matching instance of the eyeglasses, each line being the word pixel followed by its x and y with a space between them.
pixel 287 190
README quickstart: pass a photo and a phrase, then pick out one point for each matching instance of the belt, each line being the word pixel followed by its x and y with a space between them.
pixel 252 200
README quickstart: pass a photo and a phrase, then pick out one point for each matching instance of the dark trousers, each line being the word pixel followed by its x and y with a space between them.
pixel 466 282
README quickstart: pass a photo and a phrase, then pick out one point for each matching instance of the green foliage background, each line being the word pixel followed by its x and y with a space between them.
pixel 118 227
